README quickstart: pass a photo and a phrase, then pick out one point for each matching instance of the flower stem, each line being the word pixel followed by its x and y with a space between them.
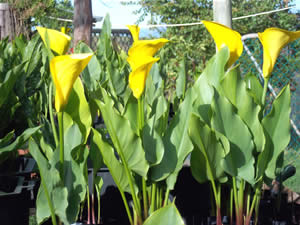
pixel 140 126
pixel 153 195
pixel 140 114
pixel 166 197
pixel 145 199
pixel 263 100
pixel 235 200
pixel 61 144
pixel 231 206
pixel 98 201
pixel 51 114
pixel 88 204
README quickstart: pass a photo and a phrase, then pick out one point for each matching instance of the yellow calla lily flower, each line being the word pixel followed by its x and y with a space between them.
pixel 59 42
pixel 143 48
pixel 273 40
pixel 65 70
pixel 137 78
pixel 223 35
pixel 135 31
pixel 140 59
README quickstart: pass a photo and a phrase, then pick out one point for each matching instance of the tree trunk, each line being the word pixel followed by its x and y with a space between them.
pixel 6 22
pixel 83 19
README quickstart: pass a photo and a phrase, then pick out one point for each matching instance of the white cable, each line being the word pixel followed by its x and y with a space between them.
pixel 60 19
pixel 262 13
pixel 197 23
pixel 189 24
pixel 170 25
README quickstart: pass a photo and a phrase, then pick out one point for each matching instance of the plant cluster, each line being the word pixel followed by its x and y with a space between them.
pixel 193 42
pixel 220 120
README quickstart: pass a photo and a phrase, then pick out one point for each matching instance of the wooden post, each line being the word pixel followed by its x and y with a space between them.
pixel 223 12
pixel 6 22
pixel 83 19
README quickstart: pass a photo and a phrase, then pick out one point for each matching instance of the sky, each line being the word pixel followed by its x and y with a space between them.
pixel 120 15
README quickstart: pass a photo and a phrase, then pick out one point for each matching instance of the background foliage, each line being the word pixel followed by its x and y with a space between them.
pixel 29 13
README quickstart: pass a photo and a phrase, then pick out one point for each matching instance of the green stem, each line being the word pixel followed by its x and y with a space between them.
pixel 126 206
pixel 241 201
pixel 98 201
pixel 140 113
pixel 87 194
pixel 249 213
pixel 53 218
pixel 123 195
pixel 258 196
pixel 159 202
pixel 61 144
pixel 218 204
pixel 235 199
pixel 231 206
pixel 153 195
pixel 166 199
pixel 130 181
pixel 263 100
pixel 51 114
pixel 88 203
pixel 248 201
pixel 140 127
pixel 145 199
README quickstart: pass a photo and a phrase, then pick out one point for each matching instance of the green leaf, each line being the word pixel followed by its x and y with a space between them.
pixel 10 79
pixel 17 143
pixel 96 157
pixel 177 144
pixel 234 88
pixel 7 139
pixel 77 110
pixel 254 87
pixel 131 113
pixel 125 141
pixel 277 125
pixel 160 114
pixel 51 187
pixel 104 45
pixel 167 215
pixel 181 79
pixel 154 85
pixel 114 166
pixel 239 161
pixel 116 74
pixel 214 71
pixel 32 55
pixel 208 152
pixel 152 143
pixel 92 74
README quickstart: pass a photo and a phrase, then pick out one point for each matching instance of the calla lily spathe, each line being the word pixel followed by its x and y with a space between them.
pixel 65 70
pixel 137 78
pixel 59 42
pixel 140 59
pixel 223 35
pixel 135 31
pixel 143 48
pixel 273 40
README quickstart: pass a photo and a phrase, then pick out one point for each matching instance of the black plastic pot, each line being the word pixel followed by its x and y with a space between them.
pixel 16 194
